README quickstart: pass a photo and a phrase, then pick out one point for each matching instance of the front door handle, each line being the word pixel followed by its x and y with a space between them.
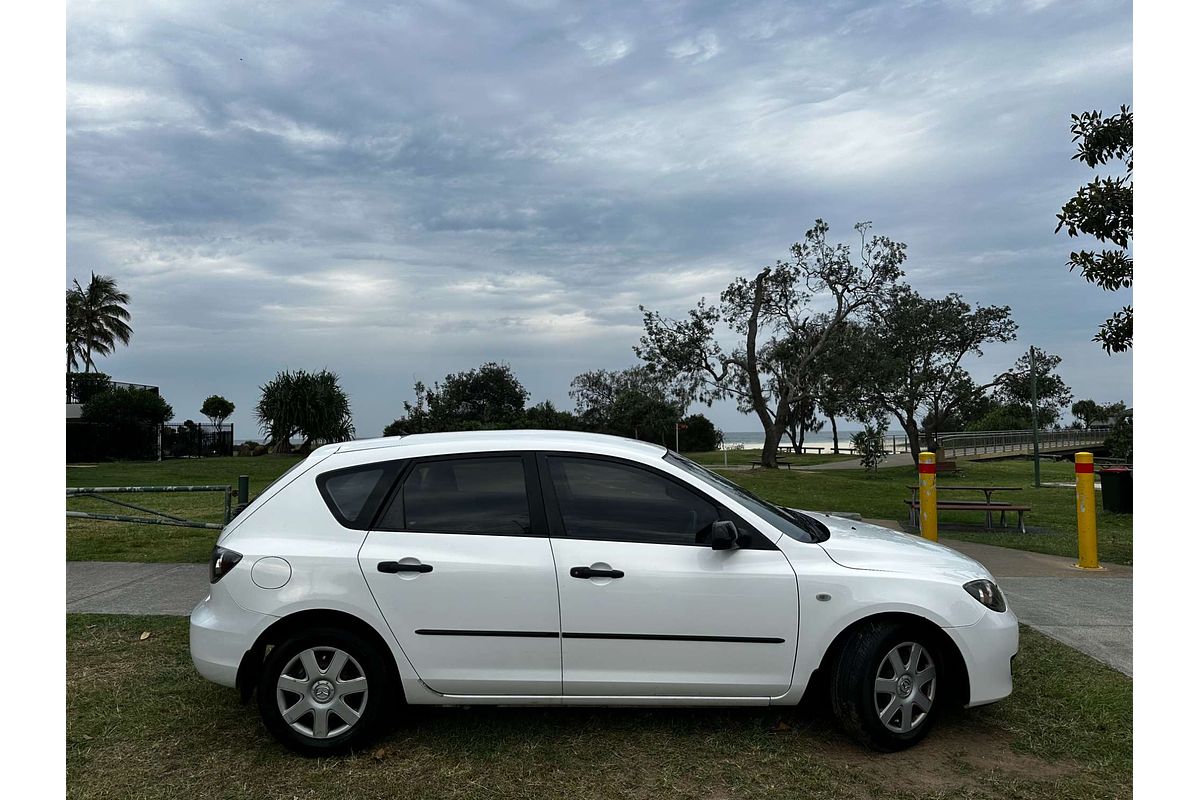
pixel 396 566
pixel 588 572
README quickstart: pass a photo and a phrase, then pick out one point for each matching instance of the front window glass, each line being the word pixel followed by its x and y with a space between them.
pixel 794 524
pixel 618 502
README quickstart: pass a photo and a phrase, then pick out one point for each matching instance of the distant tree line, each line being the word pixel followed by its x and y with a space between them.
pixel 633 402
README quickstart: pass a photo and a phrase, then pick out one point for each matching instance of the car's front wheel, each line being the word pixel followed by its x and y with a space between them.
pixel 886 685
pixel 322 691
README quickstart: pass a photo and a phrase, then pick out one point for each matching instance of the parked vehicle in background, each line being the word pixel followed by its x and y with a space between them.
pixel 555 568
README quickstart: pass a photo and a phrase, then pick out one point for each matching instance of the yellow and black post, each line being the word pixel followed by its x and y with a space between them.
pixel 1085 510
pixel 927 474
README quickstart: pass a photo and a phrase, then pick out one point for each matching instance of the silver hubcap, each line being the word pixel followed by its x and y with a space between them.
pixel 322 692
pixel 904 687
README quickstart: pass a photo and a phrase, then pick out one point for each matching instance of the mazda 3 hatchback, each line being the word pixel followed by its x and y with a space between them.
pixel 554 568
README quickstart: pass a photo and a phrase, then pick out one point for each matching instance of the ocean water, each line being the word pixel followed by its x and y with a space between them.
pixel 753 440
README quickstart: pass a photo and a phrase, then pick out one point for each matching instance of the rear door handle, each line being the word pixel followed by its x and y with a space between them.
pixel 588 572
pixel 396 566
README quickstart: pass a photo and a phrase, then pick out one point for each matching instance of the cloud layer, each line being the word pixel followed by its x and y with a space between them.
pixel 400 192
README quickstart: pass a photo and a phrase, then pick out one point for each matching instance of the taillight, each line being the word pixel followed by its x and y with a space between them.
pixel 221 562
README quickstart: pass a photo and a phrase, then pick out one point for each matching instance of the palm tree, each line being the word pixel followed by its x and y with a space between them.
pixel 74 331
pixel 96 320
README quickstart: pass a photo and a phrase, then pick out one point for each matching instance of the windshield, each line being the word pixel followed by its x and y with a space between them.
pixel 800 527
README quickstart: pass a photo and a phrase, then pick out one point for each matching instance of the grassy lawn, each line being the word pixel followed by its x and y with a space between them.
pixel 89 540
pixel 1051 524
pixel 742 457
pixel 141 723
pixel 880 496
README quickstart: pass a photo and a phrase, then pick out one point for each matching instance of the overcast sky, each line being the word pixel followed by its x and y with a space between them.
pixel 403 191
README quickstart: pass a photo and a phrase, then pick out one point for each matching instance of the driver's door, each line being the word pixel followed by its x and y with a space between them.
pixel 648 608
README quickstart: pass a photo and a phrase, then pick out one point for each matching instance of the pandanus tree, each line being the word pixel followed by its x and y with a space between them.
pixel 308 404
pixel 97 319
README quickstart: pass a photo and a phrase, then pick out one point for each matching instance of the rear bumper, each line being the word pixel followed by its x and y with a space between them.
pixel 221 632
pixel 987 649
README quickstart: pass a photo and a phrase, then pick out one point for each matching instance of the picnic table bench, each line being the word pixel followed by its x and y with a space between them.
pixel 988 505
pixel 779 462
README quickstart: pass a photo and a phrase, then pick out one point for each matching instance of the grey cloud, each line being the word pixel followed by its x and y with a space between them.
pixel 412 190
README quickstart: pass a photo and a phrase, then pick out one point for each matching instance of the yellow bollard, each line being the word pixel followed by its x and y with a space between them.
pixel 927 474
pixel 1085 510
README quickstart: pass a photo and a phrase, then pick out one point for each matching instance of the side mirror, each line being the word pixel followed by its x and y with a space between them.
pixel 724 535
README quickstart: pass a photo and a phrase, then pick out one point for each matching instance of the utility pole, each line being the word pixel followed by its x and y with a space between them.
pixel 1037 457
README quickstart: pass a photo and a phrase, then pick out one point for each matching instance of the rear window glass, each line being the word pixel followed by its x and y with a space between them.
pixel 468 495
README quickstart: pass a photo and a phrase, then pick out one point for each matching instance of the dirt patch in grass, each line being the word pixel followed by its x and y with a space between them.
pixel 142 724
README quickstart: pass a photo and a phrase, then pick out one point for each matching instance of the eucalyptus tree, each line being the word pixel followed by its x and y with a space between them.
pixel 1015 387
pixel 911 357
pixel 783 318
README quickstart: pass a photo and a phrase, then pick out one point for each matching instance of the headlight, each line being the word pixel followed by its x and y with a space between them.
pixel 987 593
pixel 221 562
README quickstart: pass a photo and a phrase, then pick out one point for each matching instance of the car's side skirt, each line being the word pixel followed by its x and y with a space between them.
pixel 597 700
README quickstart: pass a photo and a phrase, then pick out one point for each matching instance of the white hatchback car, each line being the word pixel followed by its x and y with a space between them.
pixel 552 568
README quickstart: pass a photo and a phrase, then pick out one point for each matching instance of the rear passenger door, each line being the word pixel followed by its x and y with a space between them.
pixel 461 567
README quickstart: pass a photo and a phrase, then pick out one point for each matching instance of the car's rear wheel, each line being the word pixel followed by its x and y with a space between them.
pixel 886 685
pixel 322 691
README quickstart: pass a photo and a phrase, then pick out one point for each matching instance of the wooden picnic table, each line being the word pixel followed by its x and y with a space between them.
pixel 987 490
pixel 987 505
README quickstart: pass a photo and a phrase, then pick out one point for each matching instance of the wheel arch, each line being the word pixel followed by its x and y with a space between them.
pixel 960 678
pixel 281 629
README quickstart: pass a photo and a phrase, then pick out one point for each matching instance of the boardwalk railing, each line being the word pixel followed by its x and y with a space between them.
pixel 983 442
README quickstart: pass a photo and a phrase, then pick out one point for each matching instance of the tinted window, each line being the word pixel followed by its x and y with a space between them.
pixel 349 491
pixel 468 495
pixel 354 494
pixel 614 501
pixel 796 525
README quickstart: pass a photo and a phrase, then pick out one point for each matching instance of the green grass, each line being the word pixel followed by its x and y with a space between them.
pixel 880 496
pixel 141 723
pixel 743 457
pixel 1051 524
pixel 89 540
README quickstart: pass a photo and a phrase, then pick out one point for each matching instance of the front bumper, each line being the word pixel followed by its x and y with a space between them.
pixel 221 632
pixel 987 648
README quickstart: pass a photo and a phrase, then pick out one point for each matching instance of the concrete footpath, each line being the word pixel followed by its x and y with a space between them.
pixel 1090 611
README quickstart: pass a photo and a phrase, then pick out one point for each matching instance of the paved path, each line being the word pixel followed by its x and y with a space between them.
pixel 890 460
pixel 103 587
pixel 1090 611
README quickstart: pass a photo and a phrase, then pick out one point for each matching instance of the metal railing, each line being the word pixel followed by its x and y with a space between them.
pixel 983 442
pixel 81 386
pixel 160 517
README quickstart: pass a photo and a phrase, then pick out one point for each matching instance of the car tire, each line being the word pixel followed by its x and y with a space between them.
pixel 888 685
pixel 324 691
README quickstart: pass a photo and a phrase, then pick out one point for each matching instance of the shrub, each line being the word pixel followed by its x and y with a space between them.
pixel 869 444
pixel 83 386
pixel 700 435
pixel 126 405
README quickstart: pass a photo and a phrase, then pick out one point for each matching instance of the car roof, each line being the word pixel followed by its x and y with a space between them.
pixel 510 439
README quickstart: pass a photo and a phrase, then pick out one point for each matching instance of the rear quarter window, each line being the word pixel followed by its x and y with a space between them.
pixel 354 494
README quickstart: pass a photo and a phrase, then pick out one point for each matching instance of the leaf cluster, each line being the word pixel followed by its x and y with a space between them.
pixel 302 403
